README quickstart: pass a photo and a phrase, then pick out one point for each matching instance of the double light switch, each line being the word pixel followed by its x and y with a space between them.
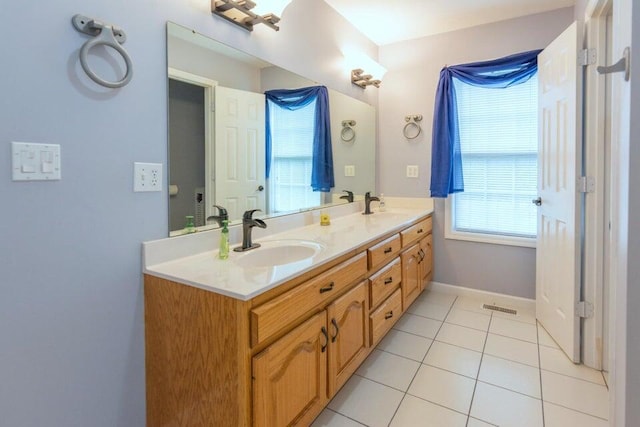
pixel 35 162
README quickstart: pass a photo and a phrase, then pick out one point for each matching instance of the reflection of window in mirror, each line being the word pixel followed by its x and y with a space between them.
pixel 291 159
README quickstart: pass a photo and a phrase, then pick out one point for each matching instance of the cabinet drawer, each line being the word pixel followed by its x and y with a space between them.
pixel 289 307
pixel 415 232
pixel 384 282
pixel 385 317
pixel 384 250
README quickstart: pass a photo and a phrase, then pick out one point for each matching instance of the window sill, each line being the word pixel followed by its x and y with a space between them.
pixel 490 238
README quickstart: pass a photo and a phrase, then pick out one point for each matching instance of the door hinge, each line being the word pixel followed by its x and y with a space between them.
pixel 584 309
pixel 587 57
pixel 586 184
pixel 213 107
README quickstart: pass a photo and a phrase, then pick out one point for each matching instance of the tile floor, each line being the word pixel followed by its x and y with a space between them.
pixel 449 362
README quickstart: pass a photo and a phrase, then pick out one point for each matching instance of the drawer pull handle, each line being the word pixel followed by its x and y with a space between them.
pixel 327 288
pixel 388 280
pixel 388 250
pixel 422 254
pixel 326 338
pixel 388 315
pixel 335 325
pixel 420 230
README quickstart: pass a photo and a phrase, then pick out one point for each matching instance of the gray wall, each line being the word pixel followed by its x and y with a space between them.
pixel 71 303
pixel 409 88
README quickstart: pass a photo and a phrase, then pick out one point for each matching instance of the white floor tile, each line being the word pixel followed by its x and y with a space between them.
pixel 512 349
pixel 428 309
pixel 414 412
pixel 514 329
pixel 455 359
pixel 436 297
pixel 328 418
pixel 470 304
pixel 557 416
pixel 470 319
pixel 418 325
pixel 442 387
pixel 545 339
pixel 554 360
pixel 367 402
pixel 406 345
pixel 473 422
pixel 462 337
pixel 510 375
pixel 505 408
pixel 582 396
pixel 389 369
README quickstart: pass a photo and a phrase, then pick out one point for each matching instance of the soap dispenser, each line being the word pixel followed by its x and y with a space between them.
pixel 382 206
pixel 223 253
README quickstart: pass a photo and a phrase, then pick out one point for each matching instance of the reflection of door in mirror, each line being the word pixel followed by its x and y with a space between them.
pixel 291 159
pixel 239 150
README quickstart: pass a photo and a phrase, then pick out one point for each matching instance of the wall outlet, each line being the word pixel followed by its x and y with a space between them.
pixel 412 171
pixel 147 177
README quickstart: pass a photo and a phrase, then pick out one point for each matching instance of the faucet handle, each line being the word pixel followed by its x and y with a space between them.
pixel 223 212
pixel 249 214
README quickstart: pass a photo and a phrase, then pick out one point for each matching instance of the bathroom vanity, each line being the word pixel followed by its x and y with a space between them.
pixel 244 343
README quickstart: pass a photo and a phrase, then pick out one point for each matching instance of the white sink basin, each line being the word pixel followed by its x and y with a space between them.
pixel 279 252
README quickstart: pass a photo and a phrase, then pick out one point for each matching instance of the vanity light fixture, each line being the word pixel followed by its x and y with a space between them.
pixel 246 13
pixel 359 78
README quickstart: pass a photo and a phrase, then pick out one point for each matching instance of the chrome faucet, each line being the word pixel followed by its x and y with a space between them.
pixel 222 215
pixel 367 203
pixel 348 197
pixel 247 224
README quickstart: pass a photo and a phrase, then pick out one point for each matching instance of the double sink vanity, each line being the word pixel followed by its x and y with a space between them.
pixel 269 336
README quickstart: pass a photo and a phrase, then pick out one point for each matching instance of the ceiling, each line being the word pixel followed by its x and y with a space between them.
pixel 385 21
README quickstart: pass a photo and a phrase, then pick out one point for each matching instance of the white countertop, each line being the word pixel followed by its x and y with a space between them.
pixel 193 259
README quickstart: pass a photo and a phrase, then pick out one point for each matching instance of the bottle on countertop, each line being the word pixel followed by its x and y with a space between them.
pixel 189 226
pixel 382 206
pixel 223 253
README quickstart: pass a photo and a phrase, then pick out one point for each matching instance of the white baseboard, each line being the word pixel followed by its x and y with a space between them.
pixel 503 300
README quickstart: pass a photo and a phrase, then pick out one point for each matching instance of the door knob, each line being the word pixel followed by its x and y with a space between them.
pixel 537 201
pixel 260 188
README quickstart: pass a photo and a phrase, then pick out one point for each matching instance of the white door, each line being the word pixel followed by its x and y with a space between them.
pixel 239 150
pixel 559 160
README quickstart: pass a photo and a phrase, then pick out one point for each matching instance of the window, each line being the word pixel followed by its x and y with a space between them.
pixel 291 158
pixel 499 145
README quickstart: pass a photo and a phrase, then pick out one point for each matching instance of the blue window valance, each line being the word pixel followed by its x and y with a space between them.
pixel 446 160
pixel 322 178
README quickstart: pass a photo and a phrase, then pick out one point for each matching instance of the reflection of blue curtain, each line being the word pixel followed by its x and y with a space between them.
pixel 293 99
pixel 446 160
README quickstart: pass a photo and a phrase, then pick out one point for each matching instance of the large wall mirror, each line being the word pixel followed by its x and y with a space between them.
pixel 217 136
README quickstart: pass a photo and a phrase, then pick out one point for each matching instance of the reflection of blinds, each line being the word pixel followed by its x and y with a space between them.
pixel 499 144
pixel 292 153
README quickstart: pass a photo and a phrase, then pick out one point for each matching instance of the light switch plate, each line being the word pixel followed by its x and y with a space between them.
pixel 35 162
pixel 349 170
pixel 147 177
pixel 412 171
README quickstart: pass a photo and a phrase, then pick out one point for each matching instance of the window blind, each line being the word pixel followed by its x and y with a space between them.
pixel 499 144
pixel 292 156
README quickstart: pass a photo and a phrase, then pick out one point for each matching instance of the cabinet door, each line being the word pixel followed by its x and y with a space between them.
pixel 290 376
pixel 426 245
pixel 348 333
pixel 411 275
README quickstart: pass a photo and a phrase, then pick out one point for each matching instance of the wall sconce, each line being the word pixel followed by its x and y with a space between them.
pixel 364 70
pixel 246 13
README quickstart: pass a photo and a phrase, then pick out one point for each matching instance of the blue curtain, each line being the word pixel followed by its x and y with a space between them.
pixel 293 99
pixel 446 160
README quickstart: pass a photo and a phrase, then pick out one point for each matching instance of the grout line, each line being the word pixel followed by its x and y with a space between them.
pixel 411 333
pixel 576 378
pixel 438 404
pixel 540 373
pixel 511 390
pixel 404 357
pixel 347 417
pixel 378 382
pixel 513 338
pixel 475 386
pixel 575 410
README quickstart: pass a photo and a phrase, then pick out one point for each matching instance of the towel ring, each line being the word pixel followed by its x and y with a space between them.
pixel 106 35
pixel 412 125
pixel 348 133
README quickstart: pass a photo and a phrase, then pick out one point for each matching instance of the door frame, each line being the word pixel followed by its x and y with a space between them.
pixel 209 153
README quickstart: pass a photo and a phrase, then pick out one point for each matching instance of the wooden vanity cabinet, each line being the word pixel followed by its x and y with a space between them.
pixel 276 360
